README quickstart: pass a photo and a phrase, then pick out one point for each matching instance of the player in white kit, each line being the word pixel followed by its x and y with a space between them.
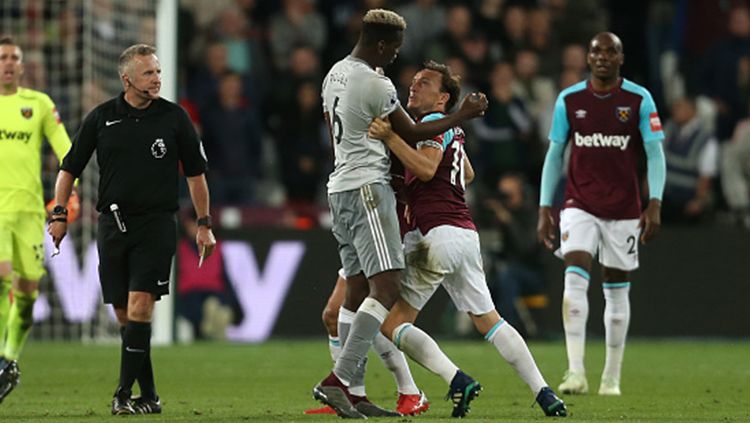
pixel 362 202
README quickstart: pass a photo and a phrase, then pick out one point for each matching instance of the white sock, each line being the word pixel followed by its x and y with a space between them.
pixel 424 350
pixel 575 314
pixel 346 317
pixel 334 347
pixel 616 321
pixel 514 350
pixel 395 361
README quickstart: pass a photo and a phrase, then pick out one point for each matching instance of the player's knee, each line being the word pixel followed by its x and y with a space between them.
pixel 121 312
pixel 331 320
pixel 140 311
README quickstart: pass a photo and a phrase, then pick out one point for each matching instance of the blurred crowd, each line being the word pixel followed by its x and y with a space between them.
pixel 251 73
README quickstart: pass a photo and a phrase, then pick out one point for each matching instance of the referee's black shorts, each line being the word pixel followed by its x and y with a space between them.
pixel 137 260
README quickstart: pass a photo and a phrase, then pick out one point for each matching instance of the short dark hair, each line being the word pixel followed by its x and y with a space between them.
pixel 381 24
pixel 4 41
pixel 449 83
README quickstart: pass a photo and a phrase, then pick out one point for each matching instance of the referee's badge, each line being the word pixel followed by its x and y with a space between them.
pixel 623 114
pixel 158 148
pixel 27 112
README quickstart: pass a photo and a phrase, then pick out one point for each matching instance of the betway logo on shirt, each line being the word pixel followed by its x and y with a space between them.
pixel 15 135
pixel 600 140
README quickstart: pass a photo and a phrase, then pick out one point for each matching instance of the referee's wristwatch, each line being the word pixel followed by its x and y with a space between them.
pixel 205 221
pixel 59 210
pixel 59 214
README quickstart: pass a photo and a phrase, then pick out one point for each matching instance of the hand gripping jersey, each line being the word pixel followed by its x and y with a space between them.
pixel 606 132
pixel 440 201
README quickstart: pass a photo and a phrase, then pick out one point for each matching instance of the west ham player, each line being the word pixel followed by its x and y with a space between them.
pixel 444 249
pixel 26 117
pixel 362 202
pixel 608 121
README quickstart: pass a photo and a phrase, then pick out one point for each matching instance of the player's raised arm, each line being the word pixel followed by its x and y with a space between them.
pixel 473 105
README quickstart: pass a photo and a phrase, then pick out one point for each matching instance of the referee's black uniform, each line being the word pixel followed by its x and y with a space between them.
pixel 139 152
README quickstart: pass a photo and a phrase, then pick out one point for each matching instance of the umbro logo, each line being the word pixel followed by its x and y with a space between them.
pixel 162 283
pixel 112 122
pixel 580 114
pixel 135 350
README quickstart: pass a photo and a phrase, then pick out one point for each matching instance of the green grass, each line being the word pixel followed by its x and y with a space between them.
pixel 681 381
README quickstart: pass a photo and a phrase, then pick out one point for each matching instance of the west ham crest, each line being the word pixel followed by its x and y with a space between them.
pixel 623 114
pixel 27 112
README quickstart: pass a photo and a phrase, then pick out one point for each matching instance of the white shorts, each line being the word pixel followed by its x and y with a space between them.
pixel 615 241
pixel 450 256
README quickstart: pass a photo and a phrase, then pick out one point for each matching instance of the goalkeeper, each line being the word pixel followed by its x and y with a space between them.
pixel 26 116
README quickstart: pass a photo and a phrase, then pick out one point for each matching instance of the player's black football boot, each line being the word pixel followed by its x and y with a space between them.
pixel 462 391
pixel 550 403
pixel 10 375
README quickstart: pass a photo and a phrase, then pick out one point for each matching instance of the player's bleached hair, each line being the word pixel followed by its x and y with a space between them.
pixel 382 25
pixel 384 17
pixel 449 82
pixel 126 58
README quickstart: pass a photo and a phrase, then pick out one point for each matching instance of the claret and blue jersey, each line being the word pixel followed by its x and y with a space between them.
pixel 607 132
pixel 440 201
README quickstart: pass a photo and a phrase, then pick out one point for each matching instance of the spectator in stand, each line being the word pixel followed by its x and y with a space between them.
pixel 489 14
pixel 458 25
pixel 504 130
pixel 297 23
pixel 303 147
pixel 232 138
pixel 691 152
pixel 244 54
pixel 518 287
pixel 574 60
pixel 304 65
pixel 543 41
pixel 203 85
pixel 475 50
pixel 721 76
pixel 426 20
pixel 536 90
pixel 735 174
pixel 513 39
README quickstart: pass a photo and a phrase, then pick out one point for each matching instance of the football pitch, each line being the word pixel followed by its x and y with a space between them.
pixel 670 381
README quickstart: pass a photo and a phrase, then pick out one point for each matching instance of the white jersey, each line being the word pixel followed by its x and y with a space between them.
pixel 353 95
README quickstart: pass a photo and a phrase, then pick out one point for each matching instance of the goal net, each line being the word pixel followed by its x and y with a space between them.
pixel 71 49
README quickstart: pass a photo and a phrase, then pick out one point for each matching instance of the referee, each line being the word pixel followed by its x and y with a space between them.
pixel 140 140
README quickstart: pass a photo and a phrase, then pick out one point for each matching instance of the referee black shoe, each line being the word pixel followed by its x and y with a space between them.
pixel 143 405
pixel 122 404
pixel 10 375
